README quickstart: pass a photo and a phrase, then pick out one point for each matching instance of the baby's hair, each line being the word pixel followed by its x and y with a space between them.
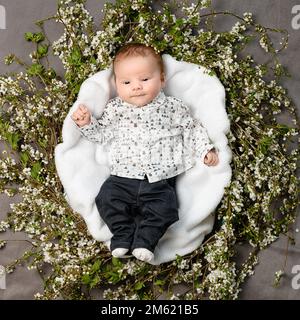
pixel 138 49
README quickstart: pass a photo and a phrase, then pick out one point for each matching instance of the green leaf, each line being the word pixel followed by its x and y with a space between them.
pixel 113 277
pixel 178 259
pixel 34 37
pixel 95 281
pixel 283 129
pixel 43 143
pixel 138 286
pixel 13 139
pixel 86 279
pixel 159 282
pixel 75 57
pixel 28 36
pixel 38 37
pixel 76 89
pixel 35 170
pixel 24 157
pixel 42 50
pixel 264 144
pixel 96 266
pixel 116 262
pixel 68 220
pixel 35 69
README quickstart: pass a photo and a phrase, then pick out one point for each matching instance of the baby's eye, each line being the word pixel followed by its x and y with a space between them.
pixel 126 82
pixel 145 79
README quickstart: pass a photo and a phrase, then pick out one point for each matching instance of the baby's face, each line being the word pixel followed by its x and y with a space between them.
pixel 138 79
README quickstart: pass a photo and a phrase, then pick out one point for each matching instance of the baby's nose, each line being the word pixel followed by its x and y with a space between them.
pixel 137 86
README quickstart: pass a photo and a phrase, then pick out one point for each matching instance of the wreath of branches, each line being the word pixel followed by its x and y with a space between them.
pixel 259 204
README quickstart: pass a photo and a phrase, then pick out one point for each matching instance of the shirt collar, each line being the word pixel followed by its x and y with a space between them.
pixel 159 99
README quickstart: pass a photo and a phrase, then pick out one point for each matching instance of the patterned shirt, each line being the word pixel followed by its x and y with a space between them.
pixel 159 140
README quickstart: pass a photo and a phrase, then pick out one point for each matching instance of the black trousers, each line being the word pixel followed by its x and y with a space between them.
pixel 137 212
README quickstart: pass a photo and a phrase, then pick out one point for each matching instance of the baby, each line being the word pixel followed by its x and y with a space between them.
pixel 153 138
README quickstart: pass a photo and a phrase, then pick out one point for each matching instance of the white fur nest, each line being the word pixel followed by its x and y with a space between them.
pixel 83 166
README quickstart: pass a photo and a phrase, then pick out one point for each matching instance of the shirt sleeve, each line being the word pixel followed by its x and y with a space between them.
pixel 195 136
pixel 100 130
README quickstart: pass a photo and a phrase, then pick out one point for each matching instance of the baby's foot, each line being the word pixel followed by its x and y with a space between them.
pixel 143 254
pixel 119 252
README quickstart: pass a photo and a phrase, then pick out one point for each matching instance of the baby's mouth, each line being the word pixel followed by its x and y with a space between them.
pixel 138 95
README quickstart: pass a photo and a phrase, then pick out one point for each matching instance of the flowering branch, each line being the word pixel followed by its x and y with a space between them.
pixel 258 205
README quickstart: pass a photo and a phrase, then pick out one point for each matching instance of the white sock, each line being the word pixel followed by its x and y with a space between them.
pixel 143 254
pixel 119 252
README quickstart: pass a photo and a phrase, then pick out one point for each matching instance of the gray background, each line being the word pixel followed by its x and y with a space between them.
pixel 20 15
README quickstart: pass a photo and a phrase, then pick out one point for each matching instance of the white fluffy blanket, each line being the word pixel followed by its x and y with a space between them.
pixel 83 166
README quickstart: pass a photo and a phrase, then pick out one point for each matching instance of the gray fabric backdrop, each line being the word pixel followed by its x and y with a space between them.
pixel 19 18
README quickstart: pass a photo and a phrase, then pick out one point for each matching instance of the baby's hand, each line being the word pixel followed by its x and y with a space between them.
pixel 81 116
pixel 211 158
